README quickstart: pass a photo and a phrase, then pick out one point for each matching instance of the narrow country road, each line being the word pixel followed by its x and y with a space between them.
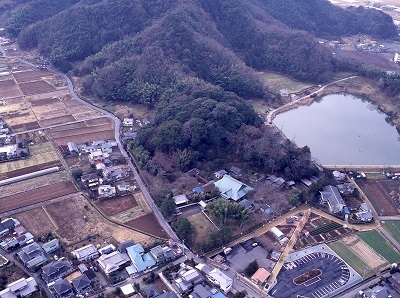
pixel 272 113
pixel 117 126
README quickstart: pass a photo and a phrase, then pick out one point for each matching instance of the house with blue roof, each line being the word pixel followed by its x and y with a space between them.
pixel 141 260
pixel 230 188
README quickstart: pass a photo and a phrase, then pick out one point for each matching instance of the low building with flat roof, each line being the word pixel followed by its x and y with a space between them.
pixel 86 253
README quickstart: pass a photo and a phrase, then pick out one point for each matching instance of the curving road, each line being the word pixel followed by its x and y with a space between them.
pixel 117 133
pixel 272 113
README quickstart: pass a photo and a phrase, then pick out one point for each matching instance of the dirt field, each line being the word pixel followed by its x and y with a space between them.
pixel 149 224
pixel 36 196
pixel 8 89
pixel 276 82
pixel 364 252
pixel 36 221
pixel 28 76
pixel 114 206
pixel 203 227
pixel 81 133
pixel 379 197
pixel 76 220
pixel 36 87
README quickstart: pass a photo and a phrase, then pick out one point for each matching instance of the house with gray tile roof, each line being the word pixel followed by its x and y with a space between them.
pixel 62 289
pixel 331 196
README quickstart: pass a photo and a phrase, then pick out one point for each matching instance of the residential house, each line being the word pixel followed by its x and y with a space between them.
pixel 199 291
pixel 106 191
pixel 235 171
pixel 187 278
pixel 145 121
pixel 82 284
pixel 86 253
pixel 331 196
pixel 376 292
pixel 72 148
pixel 20 288
pixel 394 281
pixel 24 239
pixel 91 180
pixel 168 294
pixel 128 290
pixel 9 243
pixel 92 276
pixel 62 289
pixel 365 207
pixel 365 216
pixel 56 270
pixel 128 122
pixel 208 187
pixel 32 255
pixel 7 225
pixel 140 260
pixel 181 200
pixel 112 262
pixel 396 58
pixel 99 165
pixel 284 92
pixel 20 230
pixel 230 188
pixel 97 155
pixel 260 276
pixel 113 174
pixel 246 204
pixel 107 249
pixel 339 176
pixel 51 246
pixel 216 277
pixel 220 174
pixel 194 172
pixel 162 254
pixel 127 136
pixel 150 291
pixel 124 245
pixel 346 189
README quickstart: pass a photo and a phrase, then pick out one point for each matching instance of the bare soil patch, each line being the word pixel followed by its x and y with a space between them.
pixel 35 196
pixel 114 206
pixel 379 197
pixel 43 101
pixel 57 120
pixel 364 252
pixel 203 227
pixel 32 125
pixel 36 87
pixel 37 221
pixel 148 224
pixel 77 220
pixel 27 76
pixel 8 88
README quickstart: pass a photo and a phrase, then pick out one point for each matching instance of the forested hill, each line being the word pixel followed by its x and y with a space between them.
pixel 192 60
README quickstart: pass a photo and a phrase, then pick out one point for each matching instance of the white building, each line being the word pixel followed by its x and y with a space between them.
pixel 86 253
pixel 20 288
pixel 106 191
pixel 396 58
pixel 128 122
pixel 112 262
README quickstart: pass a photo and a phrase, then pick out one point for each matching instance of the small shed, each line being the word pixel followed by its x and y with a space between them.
pixel 290 220
pixel 220 174
pixel 203 204
pixel 181 199
pixel 284 92
pixel 260 276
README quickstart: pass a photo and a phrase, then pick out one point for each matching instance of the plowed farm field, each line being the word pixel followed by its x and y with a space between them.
pixel 8 88
pixel 35 196
pixel 379 197
pixel 36 87
pixel 114 206
pixel 148 224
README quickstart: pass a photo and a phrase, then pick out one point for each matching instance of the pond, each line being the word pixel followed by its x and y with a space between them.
pixel 342 129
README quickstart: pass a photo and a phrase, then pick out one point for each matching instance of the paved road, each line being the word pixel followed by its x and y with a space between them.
pixel 35 275
pixel 396 217
pixel 272 113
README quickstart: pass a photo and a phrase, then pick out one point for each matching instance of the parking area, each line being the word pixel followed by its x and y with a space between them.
pixel 335 275
pixel 244 253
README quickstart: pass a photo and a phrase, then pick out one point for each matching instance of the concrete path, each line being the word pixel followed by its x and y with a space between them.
pixel 272 113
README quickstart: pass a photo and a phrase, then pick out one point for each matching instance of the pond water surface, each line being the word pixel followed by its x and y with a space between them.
pixel 342 129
